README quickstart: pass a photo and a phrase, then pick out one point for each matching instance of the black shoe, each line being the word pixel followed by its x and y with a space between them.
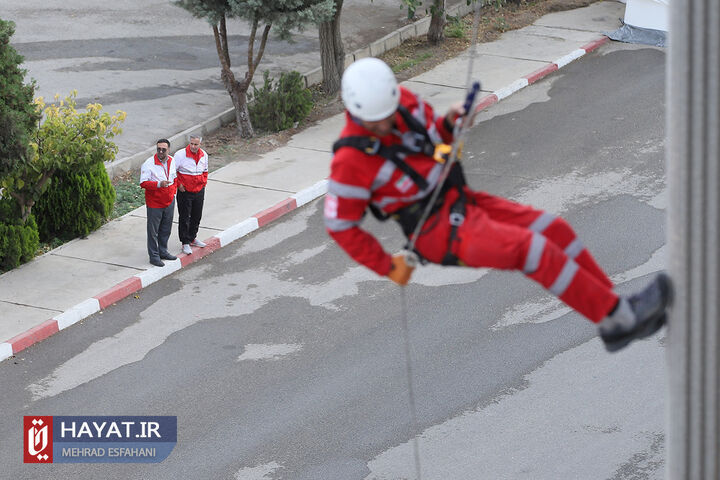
pixel 157 262
pixel 167 256
pixel 649 308
pixel 619 340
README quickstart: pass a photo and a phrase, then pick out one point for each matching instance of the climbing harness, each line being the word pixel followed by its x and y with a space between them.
pixel 420 143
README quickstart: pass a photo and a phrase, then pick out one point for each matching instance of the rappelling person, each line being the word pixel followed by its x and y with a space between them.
pixel 389 160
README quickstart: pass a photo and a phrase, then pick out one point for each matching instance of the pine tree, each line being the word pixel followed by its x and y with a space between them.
pixel 18 117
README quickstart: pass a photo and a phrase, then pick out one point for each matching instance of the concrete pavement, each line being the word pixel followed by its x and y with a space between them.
pixel 84 276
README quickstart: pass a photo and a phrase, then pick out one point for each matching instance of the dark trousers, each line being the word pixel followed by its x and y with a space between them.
pixel 190 207
pixel 159 226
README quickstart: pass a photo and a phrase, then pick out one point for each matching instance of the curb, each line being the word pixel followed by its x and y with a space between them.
pixel 522 82
pixel 137 282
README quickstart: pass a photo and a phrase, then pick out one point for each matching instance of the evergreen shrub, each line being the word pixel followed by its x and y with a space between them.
pixel 278 105
pixel 75 203
pixel 18 241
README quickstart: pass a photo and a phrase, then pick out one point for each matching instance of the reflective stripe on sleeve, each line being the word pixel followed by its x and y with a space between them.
pixel 338 225
pixel 562 282
pixel 537 246
pixel 348 191
pixel 383 176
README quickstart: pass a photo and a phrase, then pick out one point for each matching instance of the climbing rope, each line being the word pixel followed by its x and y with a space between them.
pixel 462 125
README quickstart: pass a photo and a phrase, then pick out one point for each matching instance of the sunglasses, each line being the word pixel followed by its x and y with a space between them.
pixel 161 150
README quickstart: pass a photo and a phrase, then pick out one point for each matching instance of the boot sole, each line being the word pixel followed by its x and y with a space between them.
pixel 651 326
pixel 649 329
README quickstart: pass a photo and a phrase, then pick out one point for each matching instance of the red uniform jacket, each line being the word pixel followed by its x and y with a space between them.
pixel 358 179
pixel 152 173
pixel 192 169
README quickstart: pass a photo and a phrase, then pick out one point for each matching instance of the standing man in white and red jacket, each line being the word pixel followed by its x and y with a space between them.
pixel 192 174
pixel 157 177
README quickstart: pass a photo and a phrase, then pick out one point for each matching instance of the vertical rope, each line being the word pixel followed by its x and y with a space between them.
pixel 461 127
pixel 411 389
pixel 403 296
pixel 473 43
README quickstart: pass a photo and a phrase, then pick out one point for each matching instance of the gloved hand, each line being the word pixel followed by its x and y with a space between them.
pixel 402 266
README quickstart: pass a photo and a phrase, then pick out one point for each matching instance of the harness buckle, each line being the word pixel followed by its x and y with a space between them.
pixel 415 142
pixel 442 152
pixel 374 148
pixel 456 219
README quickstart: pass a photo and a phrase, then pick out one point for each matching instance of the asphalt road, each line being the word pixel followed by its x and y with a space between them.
pixel 283 359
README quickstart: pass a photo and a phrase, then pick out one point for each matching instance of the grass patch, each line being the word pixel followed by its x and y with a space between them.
pixel 411 62
pixel 128 196
pixel 45 247
pixel 455 28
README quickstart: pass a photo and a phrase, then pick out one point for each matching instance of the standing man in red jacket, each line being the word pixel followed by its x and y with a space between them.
pixel 192 174
pixel 157 177
pixel 389 160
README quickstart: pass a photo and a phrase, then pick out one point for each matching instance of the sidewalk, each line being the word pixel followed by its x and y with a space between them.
pixel 85 276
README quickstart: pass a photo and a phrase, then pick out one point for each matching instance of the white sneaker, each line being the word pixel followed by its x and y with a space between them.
pixel 186 249
pixel 198 243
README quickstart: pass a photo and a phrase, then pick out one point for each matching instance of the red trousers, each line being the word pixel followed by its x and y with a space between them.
pixel 498 233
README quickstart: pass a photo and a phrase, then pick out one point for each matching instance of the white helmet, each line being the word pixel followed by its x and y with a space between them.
pixel 369 90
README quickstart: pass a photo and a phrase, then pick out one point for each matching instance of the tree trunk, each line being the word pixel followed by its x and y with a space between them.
pixel 25 198
pixel 238 96
pixel 238 90
pixel 25 206
pixel 242 114
pixel 332 52
pixel 436 34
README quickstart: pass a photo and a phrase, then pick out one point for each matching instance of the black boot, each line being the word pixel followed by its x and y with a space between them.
pixel 640 316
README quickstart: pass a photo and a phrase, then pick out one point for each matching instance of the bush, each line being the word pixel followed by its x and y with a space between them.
pixel 279 105
pixel 75 203
pixel 18 241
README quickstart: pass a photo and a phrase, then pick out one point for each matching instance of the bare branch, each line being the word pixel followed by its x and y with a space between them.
pixel 261 50
pixel 224 37
pixel 220 49
pixel 251 44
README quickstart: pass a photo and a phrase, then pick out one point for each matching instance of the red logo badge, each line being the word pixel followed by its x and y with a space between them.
pixel 38 435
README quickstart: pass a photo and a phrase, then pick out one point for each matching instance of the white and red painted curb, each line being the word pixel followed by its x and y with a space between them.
pixel 137 282
pixel 519 84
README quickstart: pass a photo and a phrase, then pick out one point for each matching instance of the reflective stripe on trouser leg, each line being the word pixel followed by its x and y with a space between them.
pixel 563 281
pixel 559 231
pixel 537 247
pixel 573 284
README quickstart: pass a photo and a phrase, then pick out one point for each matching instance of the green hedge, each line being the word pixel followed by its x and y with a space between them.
pixel 75 203
pixel 18 242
